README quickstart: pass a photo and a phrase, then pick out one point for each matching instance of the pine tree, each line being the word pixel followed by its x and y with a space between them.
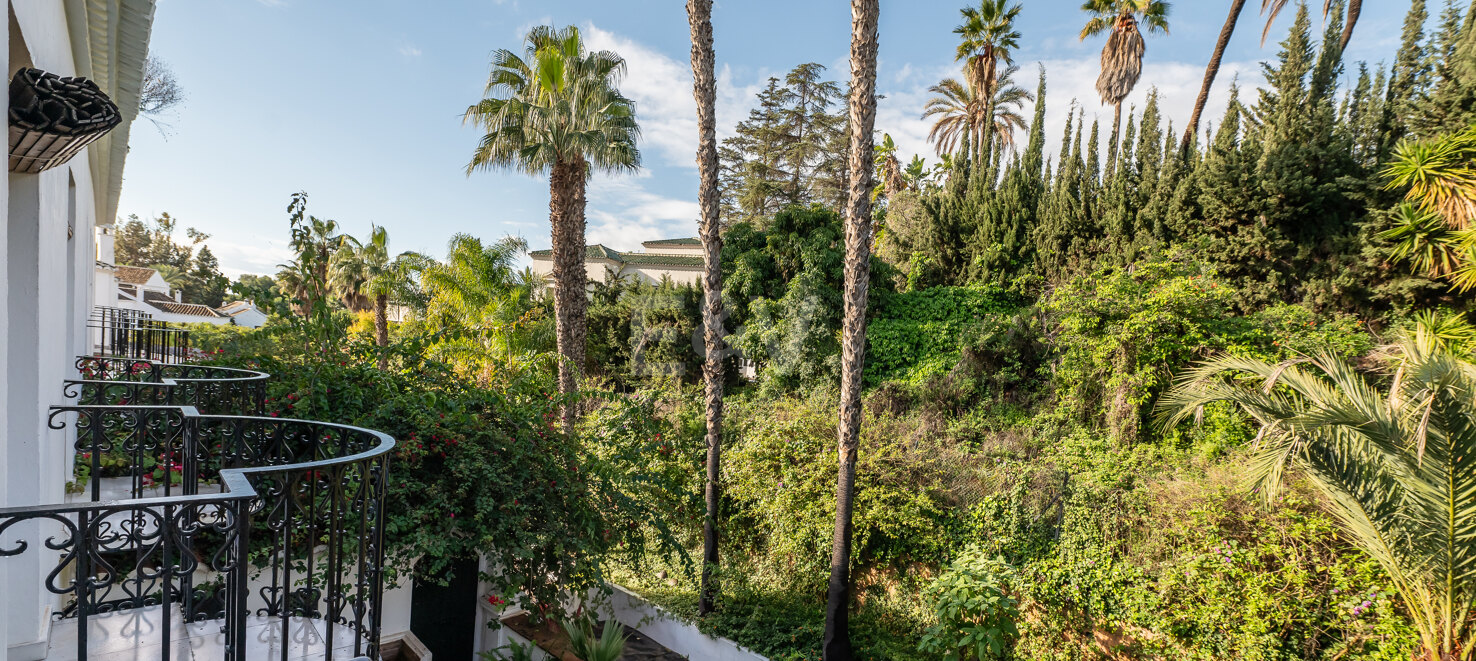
pixel 811 132
pixel 790 150
pixel 752 175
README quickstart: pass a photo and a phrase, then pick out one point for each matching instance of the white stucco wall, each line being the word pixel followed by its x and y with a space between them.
pixel 252 318
pixel 596 271
pixel 47 254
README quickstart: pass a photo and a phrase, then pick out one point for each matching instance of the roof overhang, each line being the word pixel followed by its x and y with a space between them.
pixel 110 41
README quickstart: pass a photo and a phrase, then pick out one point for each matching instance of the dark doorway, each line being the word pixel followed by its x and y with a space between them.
pixel 443 615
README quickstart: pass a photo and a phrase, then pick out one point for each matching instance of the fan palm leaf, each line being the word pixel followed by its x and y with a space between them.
pixel 1390 463
pixel 986 39
pixel 957 112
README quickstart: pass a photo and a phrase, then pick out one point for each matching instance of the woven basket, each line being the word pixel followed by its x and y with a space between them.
pixel 52 118
pixel 34 151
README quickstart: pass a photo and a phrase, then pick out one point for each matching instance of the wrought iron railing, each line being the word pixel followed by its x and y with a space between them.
pixel 236 518
pixel 128 333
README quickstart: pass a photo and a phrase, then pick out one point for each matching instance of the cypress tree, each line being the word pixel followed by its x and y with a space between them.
pixel 1149 154
pixel 1065 144
pixel 1410 76
pixel 1452 104
pixel 1062 225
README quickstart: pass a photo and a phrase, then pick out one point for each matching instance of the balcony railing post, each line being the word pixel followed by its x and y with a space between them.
pixel 82 584
pixel 236 626
pixel 166 575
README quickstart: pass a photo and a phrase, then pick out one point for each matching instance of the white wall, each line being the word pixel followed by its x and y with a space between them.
pixel 596 269
pixel 629 609
pixel 45 301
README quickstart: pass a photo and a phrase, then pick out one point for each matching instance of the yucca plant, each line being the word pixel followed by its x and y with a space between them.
pixel 1438 175
pixel 1391 461
pixel 1432 228
pixel 582 641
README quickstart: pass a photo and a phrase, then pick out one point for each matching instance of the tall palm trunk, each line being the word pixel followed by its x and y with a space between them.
pixel 381 328
pixel 704 88
pixel 1354 8
pixel 566 215
pixel 864 13
pixel 1213 70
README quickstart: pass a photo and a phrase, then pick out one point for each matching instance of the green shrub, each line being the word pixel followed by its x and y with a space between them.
pixel 975 612
pixel 918 334
pixel 485 469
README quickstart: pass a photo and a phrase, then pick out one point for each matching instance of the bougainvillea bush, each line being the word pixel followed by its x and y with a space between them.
pixel 482 468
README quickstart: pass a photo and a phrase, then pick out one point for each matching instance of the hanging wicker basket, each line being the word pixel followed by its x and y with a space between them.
pixel 53 118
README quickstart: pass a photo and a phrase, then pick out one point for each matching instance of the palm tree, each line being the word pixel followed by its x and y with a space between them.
pixel 170 274
pixel 862 120
pixel 555 110
pixel 367 278
pixel 1272 9
pixel 1390 463
pixel 985 40
pixel 1122 57
pixel 314 241
pixel 346 276
pixel 478 288
pixel 1210 71
pixel 961 114
pixel 1433 227
pixel 704 89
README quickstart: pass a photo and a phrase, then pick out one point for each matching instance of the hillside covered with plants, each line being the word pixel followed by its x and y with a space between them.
pixel 1166 393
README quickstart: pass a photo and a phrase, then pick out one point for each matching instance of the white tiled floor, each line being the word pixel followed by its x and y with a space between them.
pixel 137 636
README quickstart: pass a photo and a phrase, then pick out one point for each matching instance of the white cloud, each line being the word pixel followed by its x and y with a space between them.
pixel 256 256
pixel 409 51
pixel 662 90
pixel 622 214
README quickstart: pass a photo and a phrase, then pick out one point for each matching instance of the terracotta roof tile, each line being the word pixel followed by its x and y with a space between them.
pixel 134 275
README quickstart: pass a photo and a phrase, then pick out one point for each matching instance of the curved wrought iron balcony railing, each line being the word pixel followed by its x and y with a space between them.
pixel 236 518
pixel 134 334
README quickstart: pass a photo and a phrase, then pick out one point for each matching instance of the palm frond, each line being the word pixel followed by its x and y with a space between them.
pixel 1391 465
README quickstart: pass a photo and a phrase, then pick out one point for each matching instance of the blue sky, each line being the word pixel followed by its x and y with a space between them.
pixel 359 103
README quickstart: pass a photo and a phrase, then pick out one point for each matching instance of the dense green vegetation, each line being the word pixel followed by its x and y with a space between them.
pixel 1032 483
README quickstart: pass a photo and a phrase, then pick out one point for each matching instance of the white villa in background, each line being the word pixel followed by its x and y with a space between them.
pixel 679 260
pixel 144 290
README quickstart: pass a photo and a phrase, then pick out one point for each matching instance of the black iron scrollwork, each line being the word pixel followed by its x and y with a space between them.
pixel 225 514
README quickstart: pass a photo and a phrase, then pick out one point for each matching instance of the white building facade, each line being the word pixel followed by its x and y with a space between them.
pixel 143 290
pixel 678 261
pixel 48 256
